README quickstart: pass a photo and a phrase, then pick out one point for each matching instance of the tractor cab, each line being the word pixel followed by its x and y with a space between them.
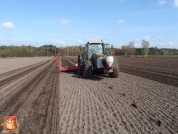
pixel 98 48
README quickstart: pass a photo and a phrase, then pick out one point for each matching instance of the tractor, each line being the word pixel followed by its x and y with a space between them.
pixel 97 57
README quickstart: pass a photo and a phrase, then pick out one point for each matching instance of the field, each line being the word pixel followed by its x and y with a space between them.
pixel 163 70
pixel 144 99
pixel 8 64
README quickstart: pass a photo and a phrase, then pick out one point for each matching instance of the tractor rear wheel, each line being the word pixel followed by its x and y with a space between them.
pixel 87 69
pixel 79 66
pixel 115 73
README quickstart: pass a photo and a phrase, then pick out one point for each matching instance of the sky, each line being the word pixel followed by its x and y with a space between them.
pixel 74 22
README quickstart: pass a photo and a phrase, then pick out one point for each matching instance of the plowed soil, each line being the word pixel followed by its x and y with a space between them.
pixel 31 94
pixel 47 101
pixel 8 64
pixel 163 70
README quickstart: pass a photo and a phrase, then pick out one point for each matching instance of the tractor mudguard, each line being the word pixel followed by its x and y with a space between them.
pixel 94 58
pixel 84 56
pixel 80 58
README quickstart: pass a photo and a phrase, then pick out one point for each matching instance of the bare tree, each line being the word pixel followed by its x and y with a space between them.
pixel 125 49
pixel 131 48
pixel 164 51
pixel 145 45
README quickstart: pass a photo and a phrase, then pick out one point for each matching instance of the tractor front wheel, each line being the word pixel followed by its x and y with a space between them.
pixel 115 73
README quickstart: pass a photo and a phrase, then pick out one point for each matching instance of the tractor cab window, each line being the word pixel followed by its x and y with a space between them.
pixel 107 49
pixel 95 48
pixel 85 49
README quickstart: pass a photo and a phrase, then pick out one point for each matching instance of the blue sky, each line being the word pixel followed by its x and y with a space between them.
pixel 74 22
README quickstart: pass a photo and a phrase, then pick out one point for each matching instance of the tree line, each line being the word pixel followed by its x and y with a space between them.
pixel 52 50
pixel 31 51
pixel 130 50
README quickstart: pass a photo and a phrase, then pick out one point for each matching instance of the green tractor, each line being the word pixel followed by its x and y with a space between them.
pixel 97 57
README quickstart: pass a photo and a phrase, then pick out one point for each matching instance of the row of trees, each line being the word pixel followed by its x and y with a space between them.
pixel 130 50
pixel 31 51
pixel 51 50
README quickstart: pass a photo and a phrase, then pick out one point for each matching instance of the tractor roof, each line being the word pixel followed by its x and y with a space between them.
pixel 92 42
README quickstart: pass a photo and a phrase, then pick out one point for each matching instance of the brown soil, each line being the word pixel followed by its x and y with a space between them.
pixel 9 64
pixel 32 96
pixel 49 102
pixel 163 70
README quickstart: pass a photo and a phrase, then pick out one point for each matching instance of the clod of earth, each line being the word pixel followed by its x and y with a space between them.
pixel 111 87
pixel 123 94
pixel 156 121
pixel 134 105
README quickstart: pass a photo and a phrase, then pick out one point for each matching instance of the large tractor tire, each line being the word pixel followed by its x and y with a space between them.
pixel 87 69
pixel 80 71
pixel 115 73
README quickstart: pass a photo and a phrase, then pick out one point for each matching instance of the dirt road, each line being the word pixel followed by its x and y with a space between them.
pixel 48 102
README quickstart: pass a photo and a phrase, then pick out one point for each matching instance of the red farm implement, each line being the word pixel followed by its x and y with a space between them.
pixel 65 68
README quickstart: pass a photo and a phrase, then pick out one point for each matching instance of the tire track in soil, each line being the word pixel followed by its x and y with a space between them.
pixel 10 76
pixel 160 77
pixel 81 112
pixel 147 107
pixel 123 114
pixel 67 62
pixel 21 95
pixel 148 115
pixel 110 125
pixel 159 102
pixel 15 86
pixel 134 120
pixel 35 104
pixel 10 86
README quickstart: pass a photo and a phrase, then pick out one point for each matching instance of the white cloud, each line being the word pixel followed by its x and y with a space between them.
pixel 78 41
pixel 169 44
pixel 64 22
pixel 152 38
pixel 149 38
pixel 60 42
pixel 8 25
pixel 172 44
pixel 176 3
pixel 162 2
pixel 95 39
pixel 121 21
